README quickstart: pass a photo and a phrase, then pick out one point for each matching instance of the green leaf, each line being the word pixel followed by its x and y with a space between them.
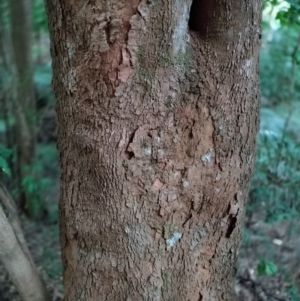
pixel 5 153
pixel 266 268
pixel 294 4
pixel 39 18
pixel 4 166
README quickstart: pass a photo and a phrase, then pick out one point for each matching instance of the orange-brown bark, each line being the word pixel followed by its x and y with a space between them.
pixel 157 126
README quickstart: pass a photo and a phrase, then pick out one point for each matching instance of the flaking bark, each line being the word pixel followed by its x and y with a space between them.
pixel 157 126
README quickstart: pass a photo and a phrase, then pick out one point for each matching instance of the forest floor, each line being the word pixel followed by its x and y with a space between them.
pixel 278 243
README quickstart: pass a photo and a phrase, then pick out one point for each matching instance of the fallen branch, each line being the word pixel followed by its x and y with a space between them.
pixel 15 254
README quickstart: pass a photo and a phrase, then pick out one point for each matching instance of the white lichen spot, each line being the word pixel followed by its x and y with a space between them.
pixel 69 79
pixel 127 230
pixel 123 138
pixel 180 35
pixel 250 159
pixel 169 123
pixel 172 240
pixel 144 10
pixel 217 190
pixel 175 139
pixel 113 262
pixel 173 196
pixel 160 154
pixel 239 196
pixel 157 139
pixel 71 49
pixel 247 67
pixel 176 174
pixel 248 63
pixel 207 157
pixel 148 151
pixel 185 183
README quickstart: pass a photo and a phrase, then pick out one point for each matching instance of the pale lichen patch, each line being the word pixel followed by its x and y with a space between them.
pixel 250 159
pixel 71 49
pixel 207 157
pixel 172 196
pixel 185 183
pixel 173 239
pixel 180 35
pixel 160 154
pixel 218 177
pixel 247 67
pixel 148 151
pixel 176 174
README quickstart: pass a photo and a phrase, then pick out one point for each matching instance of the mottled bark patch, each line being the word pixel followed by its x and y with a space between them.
pixel 157 140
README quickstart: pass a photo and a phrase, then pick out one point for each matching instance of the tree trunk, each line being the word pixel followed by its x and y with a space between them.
pixel 24 104
pixel 157 115
pixel 7 90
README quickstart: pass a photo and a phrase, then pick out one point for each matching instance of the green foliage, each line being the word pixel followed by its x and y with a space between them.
pixel 275 184
pixel 5 154
pixel 42 82
pixel 4 14
pixel 266 268
pixel 54 266
pixel 33 186
pixel 39 179
pixel 291 15
pixel 48 159
pixel 279 60
pixel 280 51
pixel 286 11
pixel 292 293
pixel 38 16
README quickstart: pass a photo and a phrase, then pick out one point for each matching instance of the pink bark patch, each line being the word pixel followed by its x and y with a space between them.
pixel 157 184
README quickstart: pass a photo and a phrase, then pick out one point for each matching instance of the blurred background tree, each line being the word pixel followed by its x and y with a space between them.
pixel 276 177
pixel 23 109
pixel 25 93
pixel 269 262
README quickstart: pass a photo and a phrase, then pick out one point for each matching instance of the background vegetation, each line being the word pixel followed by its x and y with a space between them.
pixel 269 260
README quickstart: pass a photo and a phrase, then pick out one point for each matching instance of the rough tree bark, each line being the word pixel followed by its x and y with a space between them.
pixel 157 105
